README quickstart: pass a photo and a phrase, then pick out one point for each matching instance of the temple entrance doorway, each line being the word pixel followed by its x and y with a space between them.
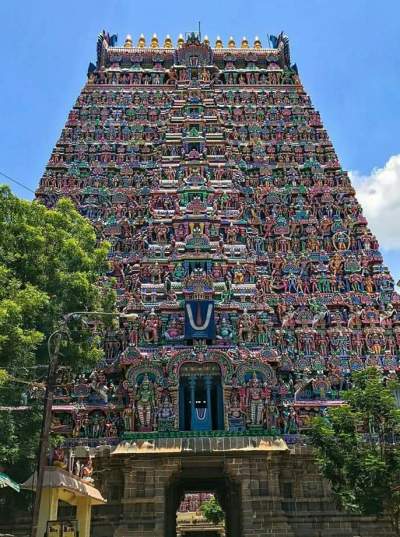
pixel 197 480
pixel 201 406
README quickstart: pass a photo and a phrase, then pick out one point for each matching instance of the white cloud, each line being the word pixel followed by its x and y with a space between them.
pixel 379 195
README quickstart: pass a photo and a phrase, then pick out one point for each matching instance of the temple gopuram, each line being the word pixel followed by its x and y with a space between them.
pixel 249 284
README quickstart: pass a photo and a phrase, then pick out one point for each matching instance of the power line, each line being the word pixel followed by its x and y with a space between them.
pixel 17 182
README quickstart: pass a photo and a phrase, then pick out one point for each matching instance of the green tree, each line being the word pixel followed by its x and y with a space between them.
pixel 357 448
pixel 212 511
pixel 50 264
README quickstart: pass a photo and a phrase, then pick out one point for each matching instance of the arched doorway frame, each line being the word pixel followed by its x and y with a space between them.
pixel 199 475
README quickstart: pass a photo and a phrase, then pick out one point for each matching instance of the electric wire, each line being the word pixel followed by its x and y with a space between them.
pixel 16 182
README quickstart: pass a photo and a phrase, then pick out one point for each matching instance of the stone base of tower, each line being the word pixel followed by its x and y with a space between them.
pixel 264 489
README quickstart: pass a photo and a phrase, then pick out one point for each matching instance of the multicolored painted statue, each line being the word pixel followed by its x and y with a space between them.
pixel 145 404
pixel 165 413
pixel 255 397
pixel 236 416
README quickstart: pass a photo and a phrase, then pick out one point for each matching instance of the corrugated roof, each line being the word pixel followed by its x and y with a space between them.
pixel 56 478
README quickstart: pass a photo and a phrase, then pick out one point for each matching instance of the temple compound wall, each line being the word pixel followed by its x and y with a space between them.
pixel 264 488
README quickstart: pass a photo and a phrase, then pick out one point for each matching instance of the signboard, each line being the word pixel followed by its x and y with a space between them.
pixel 62 528
pixel 53 529
pixel 69 529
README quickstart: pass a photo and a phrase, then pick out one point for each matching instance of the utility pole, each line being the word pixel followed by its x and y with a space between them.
pixel 46 423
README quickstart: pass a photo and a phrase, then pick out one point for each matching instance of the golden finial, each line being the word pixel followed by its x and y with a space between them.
pixel 231 43
pixel 180 40
pixel 245 43
pixel 168 42
pixel 128 41
pixel 154 41
pixel 141 41
pixel 206 41
pixel 218 43
pixel 257 42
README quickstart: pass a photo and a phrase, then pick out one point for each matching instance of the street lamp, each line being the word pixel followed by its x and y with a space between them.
pixel 54 352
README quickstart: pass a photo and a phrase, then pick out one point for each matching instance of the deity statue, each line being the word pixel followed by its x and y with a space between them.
pixel 179 272
pixel 224 329
pixel 270 416
pixel 375 342
pixel 128 418
pixel 145 404
pixel 246 327
pixel 156 273
pixel 161 233
pixel 255 400
pixel 96 425
pixel 289 419
pixel 236 416
pixel 165 412
pixel 151 327
pixel 174 329
pixel 86 470
pixel 59 458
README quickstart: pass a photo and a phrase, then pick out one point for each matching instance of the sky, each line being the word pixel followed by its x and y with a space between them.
pixel 347 52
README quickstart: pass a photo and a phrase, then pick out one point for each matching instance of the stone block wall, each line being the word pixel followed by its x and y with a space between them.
pixel 264 495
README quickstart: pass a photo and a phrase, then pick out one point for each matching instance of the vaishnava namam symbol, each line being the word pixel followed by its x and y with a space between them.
pixel 199 319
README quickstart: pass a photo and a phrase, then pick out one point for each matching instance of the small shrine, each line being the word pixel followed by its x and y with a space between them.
pixel 61 485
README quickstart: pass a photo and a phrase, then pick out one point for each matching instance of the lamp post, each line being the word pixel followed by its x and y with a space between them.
pixel 54 351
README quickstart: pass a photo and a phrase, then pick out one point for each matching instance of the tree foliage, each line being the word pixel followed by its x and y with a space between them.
pixel 357 448
pixel 212 511
pixel 50 264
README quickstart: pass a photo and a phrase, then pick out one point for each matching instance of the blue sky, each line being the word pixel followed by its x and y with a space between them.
pixel 347 51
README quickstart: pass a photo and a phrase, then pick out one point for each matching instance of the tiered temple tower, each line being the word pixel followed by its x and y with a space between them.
pixel 257 286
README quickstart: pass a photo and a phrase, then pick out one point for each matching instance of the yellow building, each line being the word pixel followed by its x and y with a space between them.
pixel 59 485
